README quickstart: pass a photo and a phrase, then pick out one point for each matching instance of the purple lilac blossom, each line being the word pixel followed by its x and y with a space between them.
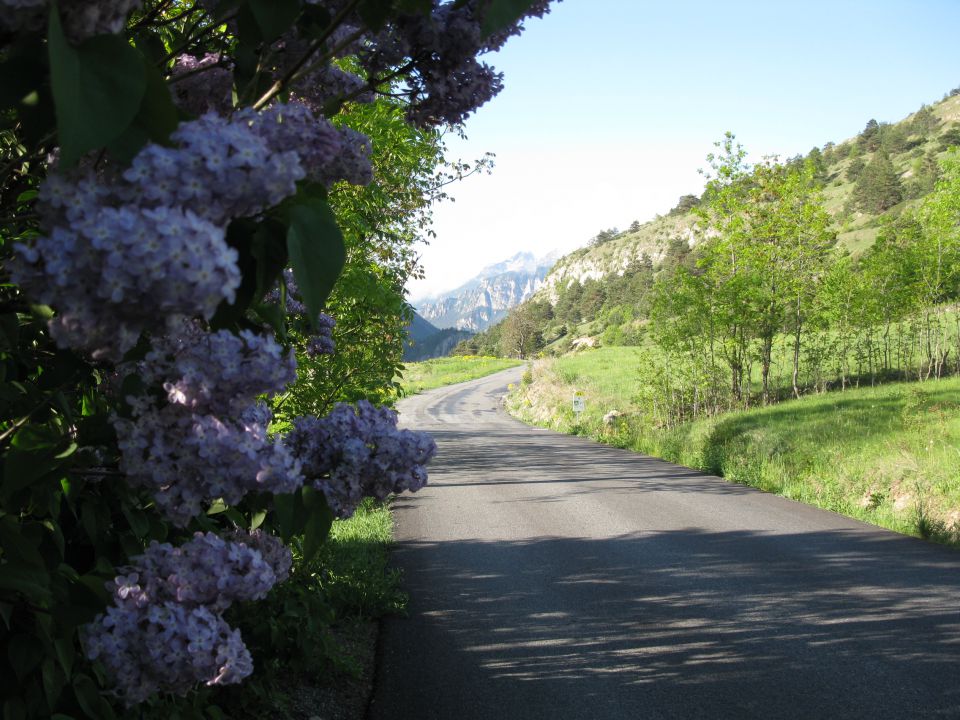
pixel 322 342
pixel 209 439
pixel 328 153
pixel 82 19
pixel 186 460
pixel 217 373
pixel 274 552
pixel 113 272
pixel 165 631
pixel 354 453
pixel 204 90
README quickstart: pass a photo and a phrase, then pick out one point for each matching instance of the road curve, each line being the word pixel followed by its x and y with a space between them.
pixel 552 577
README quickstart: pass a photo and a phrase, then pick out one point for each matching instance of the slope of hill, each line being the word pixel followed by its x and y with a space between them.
pixel 580 285
pixel 425 341
pixel 488 297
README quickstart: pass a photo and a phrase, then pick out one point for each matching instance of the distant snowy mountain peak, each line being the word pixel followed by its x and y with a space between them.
pixel 486 299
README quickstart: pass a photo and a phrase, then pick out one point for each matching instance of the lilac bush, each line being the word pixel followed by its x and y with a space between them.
pixel 358 452
pixel 170 167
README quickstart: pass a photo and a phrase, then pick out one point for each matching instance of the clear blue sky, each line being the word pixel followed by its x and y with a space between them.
pixel 611 106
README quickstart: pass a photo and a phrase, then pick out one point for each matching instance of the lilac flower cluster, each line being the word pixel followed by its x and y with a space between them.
pixel 113 271
pixel 209 439
pixel 327 153
pixel 322 342
pixel 201 85
pixel 274 552
pixel 186 459
pixel 217 373
pixel 165 631
pixel 82 19
pixel 222 168
pixel 354 453
pixel 120 254
pixel 447 81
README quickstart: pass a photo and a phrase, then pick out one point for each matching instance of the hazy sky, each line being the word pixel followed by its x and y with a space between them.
pixel 611 106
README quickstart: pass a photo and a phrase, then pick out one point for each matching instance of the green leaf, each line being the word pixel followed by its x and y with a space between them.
pixel 317 252
pixel 66 654
pixel 53 681
pixel 256 520
pixel 31 582
pixel 97 89
pixel 14 709
pixel 156 119
pixel 139 522
pixel 20 469
pixel 24 653
pixel 291 514
pixel 274 16
pixel 87 695
pixel 6 610
pixel 319 521
pixel 374 13
pixel 502 13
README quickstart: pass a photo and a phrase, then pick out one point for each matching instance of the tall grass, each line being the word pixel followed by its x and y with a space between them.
pixel 888 455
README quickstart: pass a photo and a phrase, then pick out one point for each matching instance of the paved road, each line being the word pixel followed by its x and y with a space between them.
pixel 551 577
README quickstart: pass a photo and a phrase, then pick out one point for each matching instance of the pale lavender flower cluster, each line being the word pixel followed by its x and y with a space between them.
pixel 165 631
pixel 209 439
pixel 354 453
pixel 82 19
pixel 222 168
pixel 114 271
pixel 218 373
pixel 200 85
pixel 187 459
pixel 447 81
pixel 327 153
pixel 322 342
pixel 120 255
pixel 274 552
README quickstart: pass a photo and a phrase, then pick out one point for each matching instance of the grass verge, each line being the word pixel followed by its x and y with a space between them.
pixel 314 638
pixel 429 374
pixel 888 455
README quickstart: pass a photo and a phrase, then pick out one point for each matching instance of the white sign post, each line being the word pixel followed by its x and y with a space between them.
pixel 579 403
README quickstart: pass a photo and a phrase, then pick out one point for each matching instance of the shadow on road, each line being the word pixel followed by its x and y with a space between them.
pixel 676 624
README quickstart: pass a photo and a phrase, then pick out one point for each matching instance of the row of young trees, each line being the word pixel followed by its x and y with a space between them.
pixel 208 211
pixel 766 306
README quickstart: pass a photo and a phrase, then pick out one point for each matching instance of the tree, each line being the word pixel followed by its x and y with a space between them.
pixel 878 188
pixel 521 335
pixel 869 137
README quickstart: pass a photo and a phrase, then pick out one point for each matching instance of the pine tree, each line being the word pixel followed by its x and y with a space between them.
pixel 878 187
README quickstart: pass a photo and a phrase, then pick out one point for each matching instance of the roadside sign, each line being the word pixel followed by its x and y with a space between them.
pixel 579 401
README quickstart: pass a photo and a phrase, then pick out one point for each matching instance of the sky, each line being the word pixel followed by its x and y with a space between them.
pixel 611 106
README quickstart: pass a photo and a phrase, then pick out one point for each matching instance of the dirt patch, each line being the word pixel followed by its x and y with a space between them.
pixel 339 696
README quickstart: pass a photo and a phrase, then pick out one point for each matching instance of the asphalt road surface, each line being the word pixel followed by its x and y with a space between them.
pixel 552 577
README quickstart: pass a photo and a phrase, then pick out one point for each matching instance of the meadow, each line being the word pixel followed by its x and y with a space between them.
pixel 430 374
pixel 888 455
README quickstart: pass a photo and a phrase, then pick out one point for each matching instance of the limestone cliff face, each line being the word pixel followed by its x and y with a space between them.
pixel 487 298
pixel 613 257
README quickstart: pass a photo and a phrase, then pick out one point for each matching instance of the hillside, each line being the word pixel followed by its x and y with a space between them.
pixel 600 291
pixel 425 341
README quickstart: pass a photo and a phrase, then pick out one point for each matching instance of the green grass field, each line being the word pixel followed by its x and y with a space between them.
pixel 888 455
pixel 429 374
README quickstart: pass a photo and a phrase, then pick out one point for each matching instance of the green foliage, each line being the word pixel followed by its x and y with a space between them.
pixel 886 455
pixel 878 186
